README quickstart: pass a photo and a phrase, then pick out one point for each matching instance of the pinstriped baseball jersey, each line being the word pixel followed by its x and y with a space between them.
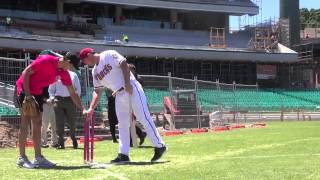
pixel 108 72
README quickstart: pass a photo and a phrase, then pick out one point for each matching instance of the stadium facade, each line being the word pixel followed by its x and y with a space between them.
pixel 184 37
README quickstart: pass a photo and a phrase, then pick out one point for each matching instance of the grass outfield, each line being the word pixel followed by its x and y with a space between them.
pixel 282 150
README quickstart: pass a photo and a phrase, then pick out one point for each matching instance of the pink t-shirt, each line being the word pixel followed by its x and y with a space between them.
pixel 45 72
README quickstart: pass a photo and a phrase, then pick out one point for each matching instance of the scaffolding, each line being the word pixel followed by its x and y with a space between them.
pixel 306 73
pixel 305 51
pixel 259 3
pixel 217 37
pixel 248 20
pixel 262 38
pixel 284 31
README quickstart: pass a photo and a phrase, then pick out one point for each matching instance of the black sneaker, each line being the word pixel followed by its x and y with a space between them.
pixel 120 159
pixel 75 144
pixel 60 143
pixel 55 145
pixel 142 139
pixel 44 145
pixel 158 152
pixel 60 147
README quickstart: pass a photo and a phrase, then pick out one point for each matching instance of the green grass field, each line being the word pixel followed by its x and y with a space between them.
pixel 282 150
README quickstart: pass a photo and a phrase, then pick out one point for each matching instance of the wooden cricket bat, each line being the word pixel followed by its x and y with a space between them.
pixel 133 131
pixel 133 126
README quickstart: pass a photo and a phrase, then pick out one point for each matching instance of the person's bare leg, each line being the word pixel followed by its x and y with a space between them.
pixel 23 133
pixel 36 135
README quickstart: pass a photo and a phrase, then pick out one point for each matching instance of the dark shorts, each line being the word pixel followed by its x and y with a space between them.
pixel 18 100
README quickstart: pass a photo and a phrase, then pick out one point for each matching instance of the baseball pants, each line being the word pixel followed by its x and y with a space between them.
pixel 65 109
pixel 138 103
pixel 48 116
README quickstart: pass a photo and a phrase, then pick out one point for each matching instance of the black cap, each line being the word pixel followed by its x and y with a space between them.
pixel 73 59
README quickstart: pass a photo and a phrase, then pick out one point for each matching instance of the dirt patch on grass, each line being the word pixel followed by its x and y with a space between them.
pixel 8 135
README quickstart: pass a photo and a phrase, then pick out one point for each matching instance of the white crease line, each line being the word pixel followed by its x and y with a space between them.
pixel 266 156
pixel 263 146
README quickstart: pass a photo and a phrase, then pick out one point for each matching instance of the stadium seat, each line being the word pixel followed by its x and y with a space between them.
pixel 8 111
pixel 240 100
pixel 263 100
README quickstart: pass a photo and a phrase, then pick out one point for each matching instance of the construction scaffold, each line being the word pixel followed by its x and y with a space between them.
pixel 217 37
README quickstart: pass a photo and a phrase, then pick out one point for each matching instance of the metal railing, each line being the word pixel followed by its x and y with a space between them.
pixel 188 102
pixel 176 101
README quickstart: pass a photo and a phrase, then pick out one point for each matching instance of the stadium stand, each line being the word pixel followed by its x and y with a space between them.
pixel 25 27
pixel 248 100
pixel 155 99
pixel 169 36
pixel 229 99
pixel 240 100
pixel 156 36
pixel 105 22
pixel 7 111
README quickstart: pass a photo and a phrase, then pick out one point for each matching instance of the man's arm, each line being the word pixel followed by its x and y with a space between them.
pixel 95 99
pixel 26 80
pixel 75 98
pixel 52 90
pixel 126 75
pixel 77 85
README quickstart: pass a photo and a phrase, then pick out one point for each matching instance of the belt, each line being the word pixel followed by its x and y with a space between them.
pixel 121 89
pixel 117 91
pixel 60 97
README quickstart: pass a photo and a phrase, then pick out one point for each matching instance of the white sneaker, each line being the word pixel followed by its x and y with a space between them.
pixel 24 162
pixel 42 162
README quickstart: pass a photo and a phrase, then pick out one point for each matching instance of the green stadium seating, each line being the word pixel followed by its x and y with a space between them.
pixel 8 111
pixel 155 99
pixel 247 99
pixel 239 100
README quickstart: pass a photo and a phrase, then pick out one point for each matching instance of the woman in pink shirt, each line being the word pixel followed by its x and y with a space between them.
pixel 45 70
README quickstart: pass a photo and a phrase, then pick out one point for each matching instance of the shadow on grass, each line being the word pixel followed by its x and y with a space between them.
pixel 146 147
pixel 79 148
pixel 66 167
pixel 141 163
pixel 70 148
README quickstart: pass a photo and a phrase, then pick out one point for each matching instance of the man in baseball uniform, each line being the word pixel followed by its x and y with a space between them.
pixel 111 70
